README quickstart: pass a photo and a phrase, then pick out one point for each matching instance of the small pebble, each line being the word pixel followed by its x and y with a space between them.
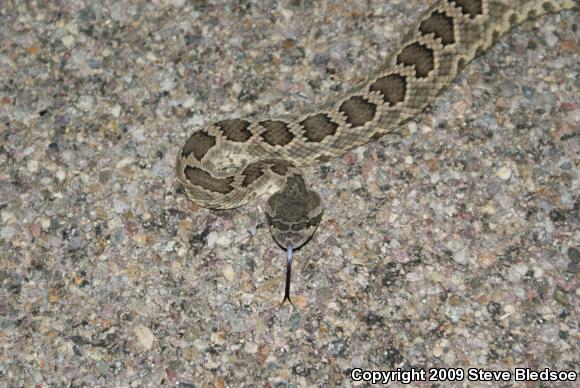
pixel 86 103
pixel 228 272
pixel 504 173
pixel 32 166
pixel 144 336
pixel 60 175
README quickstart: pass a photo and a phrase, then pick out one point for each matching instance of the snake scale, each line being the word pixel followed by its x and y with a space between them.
pixel 229 163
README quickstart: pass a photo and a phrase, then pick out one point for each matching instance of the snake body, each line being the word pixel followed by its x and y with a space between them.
pixel 231 162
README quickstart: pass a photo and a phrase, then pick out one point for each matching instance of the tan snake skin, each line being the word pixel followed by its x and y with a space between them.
pixel 229 163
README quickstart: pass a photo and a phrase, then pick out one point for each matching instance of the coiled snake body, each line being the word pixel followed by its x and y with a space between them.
pixel 229 163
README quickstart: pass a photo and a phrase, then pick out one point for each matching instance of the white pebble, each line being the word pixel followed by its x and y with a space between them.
pixel 437 352
pixel 504 173
pixel 32 165
pixel 5 216
pixel 509 309
pixel 61 175
pixel 45 223
pixel 86 102
pixel 251 347
pixel 145 336
pixel 215 238
pixel 211 239
pixel 228 272
pixel 124 162
pixel 170 246
pixel 6 233
pixel 460 256
pixel 116 110
pixel 68 41
pixel 178 3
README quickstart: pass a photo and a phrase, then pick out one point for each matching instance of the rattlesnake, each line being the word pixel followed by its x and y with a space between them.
pixel 229 163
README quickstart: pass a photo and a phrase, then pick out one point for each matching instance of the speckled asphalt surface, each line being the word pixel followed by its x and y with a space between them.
pixel 452 242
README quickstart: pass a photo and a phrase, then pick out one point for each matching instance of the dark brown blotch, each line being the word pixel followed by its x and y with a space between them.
pixel 472 8
pixel 279 166
pixel 439 25
pixel 277 133
pixel 199 177
pixel 299 226
pixel 316 220
pixel 235 130
pixel 318 126
pixel 376 135
pixel 392 87
pixel 358 111
pixel 252 173
pixel 312 222
pixel 549 7
pixel 514 19
pixel 276 224
pixel 198 144
pixel 419 56
pixel 495 36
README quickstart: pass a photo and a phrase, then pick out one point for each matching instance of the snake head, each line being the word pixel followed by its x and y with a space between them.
pixel 293 213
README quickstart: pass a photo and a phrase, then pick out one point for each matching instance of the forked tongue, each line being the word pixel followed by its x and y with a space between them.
pixel 288 274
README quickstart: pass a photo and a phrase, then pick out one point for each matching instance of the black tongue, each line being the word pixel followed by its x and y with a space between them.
pixel 288 275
